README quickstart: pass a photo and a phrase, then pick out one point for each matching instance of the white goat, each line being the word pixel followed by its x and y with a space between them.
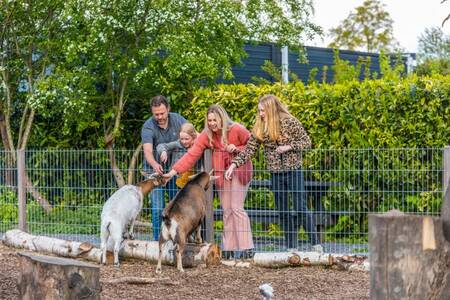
pixel 121 211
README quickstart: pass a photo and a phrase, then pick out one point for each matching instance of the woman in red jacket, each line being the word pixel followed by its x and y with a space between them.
pixel 226 138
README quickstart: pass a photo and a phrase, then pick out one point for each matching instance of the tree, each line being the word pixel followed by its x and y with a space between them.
pixel 30 33
pixel 433 43
pixel 446 18
pixel 369 28
pixel 109 55
pixel 434 52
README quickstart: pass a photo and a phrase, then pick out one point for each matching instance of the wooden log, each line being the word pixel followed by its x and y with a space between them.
pixel 46 277
pixel 409 257
pixel 194 254
pixel 297 258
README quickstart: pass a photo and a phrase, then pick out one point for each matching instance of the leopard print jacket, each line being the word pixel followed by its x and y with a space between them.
pixel 293 134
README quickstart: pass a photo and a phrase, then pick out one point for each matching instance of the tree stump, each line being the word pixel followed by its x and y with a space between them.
pixel 409 257
pixel 47 277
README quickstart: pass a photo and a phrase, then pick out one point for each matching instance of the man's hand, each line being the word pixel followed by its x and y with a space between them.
pixel 158 168
pixel 283 149
pixel 163 157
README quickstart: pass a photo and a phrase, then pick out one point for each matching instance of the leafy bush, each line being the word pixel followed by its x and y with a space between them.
pixel 382 113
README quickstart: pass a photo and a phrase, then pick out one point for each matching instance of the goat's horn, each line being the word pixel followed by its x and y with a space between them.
pixel 150 175
pixel 211 172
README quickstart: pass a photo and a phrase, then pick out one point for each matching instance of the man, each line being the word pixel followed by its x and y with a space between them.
pixel 162 127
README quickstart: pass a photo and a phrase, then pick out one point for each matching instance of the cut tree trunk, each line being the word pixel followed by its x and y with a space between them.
pixel 297 258
pixel 409 257
pixel 194 254
pixel 46 277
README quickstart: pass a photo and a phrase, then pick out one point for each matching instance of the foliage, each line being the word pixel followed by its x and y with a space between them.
pixel 392 112
pixel 82 220
pixel 434 52
pixel 85 66
pixel 433 67
pixel 9 213
pixel 369 28
pixel 433 44
pixel 30 36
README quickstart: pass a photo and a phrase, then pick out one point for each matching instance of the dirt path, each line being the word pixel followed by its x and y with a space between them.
pixel 210 283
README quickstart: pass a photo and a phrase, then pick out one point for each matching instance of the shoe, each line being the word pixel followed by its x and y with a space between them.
pixel 248 254
pixel 317 248
pixel 227 254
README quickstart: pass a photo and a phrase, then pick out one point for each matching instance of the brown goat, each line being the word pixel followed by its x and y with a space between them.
pixel 183 216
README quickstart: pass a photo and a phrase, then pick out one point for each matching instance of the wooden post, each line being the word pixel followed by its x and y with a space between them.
pixel 409 257
pixel 445 208
pixel 47 277
pixel 21 189
pixel 209 218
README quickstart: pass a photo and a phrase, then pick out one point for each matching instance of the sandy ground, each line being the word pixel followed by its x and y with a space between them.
pixel 220 282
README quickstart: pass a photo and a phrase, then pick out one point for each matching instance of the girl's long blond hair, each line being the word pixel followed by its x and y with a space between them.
pixel 223 120
pixel 189 129
pixel 275 112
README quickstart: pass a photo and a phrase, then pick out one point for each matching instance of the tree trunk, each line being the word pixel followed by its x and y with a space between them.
pixel 409 257
pixel 194 254
pixel 297 258
pixel 46 277
pixel 115 169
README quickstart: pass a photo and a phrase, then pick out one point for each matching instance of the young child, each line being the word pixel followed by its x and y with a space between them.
pixel 175 150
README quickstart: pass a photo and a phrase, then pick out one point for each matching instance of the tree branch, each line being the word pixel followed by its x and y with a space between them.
pixel 133 162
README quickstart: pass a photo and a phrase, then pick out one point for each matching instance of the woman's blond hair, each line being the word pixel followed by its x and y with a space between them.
pixel 275 112
pixel 189 129
pixel 224 122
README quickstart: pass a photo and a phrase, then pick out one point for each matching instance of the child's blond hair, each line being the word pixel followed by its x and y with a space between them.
pixel 189 129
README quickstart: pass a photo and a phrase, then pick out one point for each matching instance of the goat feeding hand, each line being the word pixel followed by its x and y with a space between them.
pixel 183 216
pixel 121 211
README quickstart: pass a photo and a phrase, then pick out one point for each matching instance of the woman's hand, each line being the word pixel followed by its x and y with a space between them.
pixel 229 172
pixel 170 174
pixel 283 149
pixel 231 148
pixel 163 157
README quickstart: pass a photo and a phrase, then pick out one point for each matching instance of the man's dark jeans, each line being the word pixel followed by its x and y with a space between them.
pixel 292 182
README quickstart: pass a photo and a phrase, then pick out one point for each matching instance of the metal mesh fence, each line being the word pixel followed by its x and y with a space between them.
pixel 339 188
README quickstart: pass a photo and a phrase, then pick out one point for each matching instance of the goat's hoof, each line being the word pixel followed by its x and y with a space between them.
pixel 181 270
pixel 131 236
pixel 117 265
pixel 158 271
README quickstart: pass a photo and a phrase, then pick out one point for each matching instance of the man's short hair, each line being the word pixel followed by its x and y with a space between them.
pixel 158 100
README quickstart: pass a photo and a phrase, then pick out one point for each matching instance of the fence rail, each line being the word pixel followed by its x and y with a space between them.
pixel 341 186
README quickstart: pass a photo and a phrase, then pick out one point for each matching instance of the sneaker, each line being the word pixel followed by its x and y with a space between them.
pixel 248 254
pixel 317 248
pixel 227 254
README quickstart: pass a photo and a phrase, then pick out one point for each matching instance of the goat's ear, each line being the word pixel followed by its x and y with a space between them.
pixel 211 179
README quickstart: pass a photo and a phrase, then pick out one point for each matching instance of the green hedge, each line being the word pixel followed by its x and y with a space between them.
pixel 408 112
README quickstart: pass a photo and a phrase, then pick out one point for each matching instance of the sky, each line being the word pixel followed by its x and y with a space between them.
pixel 411 17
